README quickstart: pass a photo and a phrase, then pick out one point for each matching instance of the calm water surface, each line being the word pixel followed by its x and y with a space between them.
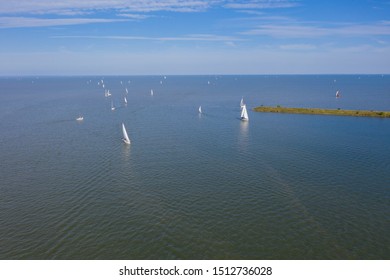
pixel 193 186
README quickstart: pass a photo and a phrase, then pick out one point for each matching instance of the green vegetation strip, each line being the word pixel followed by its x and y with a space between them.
pixel 316 111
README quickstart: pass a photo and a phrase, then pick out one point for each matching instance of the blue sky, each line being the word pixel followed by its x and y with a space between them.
pixel 103 37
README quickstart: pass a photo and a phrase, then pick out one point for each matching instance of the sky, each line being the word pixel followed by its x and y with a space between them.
pixel 165 37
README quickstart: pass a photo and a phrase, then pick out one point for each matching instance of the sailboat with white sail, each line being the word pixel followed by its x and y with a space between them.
pixel 200 109
pixel 244 113
pixel 125 138
pixel 112 106
pixel 125 99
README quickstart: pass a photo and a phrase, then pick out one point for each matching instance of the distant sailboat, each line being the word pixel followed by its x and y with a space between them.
pixel 200 109
pixel 127 91
pixel 125 100
pixel 80 118
pixel 151 92
pixel 126 138
pixel 112 106
pixel 244 113
pixel 337 94
pixel 107 93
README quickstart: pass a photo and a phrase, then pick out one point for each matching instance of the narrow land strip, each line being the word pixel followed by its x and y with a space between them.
pixel 317 111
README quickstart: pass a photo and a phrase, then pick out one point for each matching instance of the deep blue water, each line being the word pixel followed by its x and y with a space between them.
pixel 193 186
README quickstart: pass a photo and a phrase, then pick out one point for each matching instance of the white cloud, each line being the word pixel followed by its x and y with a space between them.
pixel 134 16
pixel 298 47
pixel 29 13
pixel 76 7
pixel 382 28
pixel 309 30
pixel 261 4
pixel 60 6
pixel 33 10
pixel 191 37
pixel 288 31
pixel 11 22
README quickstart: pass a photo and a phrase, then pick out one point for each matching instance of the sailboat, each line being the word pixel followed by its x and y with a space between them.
pixel 80 118
pixel 125 138
pixel 107 93
pixel 200 109
pixel 112 106
pixel 125 100
pixel 244 113
pixel 151 92
pixel 242 102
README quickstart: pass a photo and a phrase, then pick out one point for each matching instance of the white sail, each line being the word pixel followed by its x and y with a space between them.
pixel 244 113
pixel 126 138
pixel 107 93
pixel 200 109
pixel 151 92
pixel 127 91
pixel 112 106
pixel 242 102
pixel 125 100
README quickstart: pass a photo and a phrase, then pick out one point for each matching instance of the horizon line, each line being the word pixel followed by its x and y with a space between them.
pixel 206 74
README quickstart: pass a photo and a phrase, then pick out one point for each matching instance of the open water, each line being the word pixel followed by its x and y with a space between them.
pixel 193 186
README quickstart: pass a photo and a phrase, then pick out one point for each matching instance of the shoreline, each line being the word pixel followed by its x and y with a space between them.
pixel 318 111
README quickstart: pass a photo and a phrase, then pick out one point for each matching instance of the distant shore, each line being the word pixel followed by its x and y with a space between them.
pixel 317 111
